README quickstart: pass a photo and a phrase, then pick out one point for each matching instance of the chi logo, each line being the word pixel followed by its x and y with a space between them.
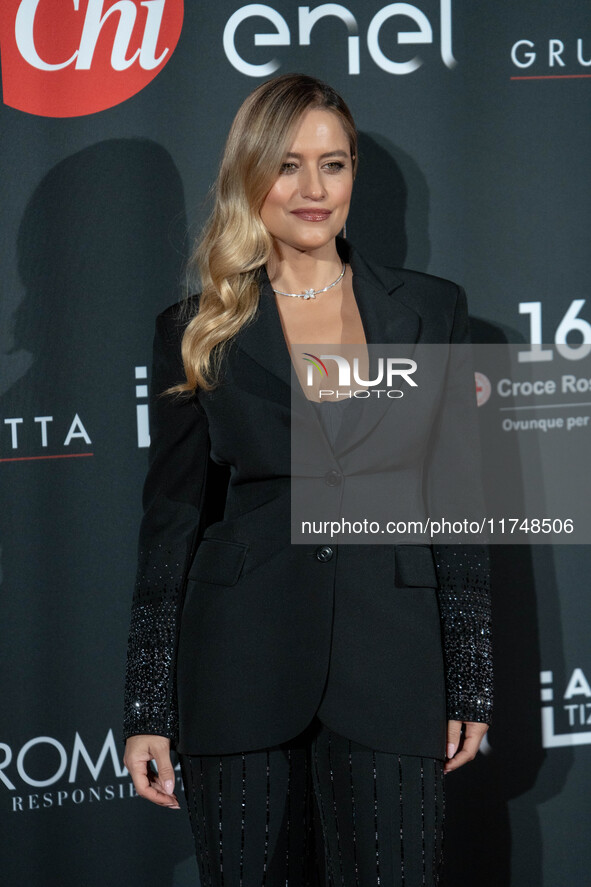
pixel 102 53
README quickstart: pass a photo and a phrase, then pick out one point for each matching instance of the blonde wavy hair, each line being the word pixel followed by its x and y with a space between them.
pixel 235 244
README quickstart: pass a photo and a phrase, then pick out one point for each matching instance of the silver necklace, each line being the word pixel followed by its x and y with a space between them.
pixel 311 293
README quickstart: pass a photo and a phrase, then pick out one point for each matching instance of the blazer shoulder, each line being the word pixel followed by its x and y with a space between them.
pixel 174 319
pixel 423 286
pixel 394 278
pixel 437 299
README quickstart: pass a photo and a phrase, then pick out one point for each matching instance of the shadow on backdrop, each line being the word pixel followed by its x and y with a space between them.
pixel 497 795
pixel 100 253
pixel 389 216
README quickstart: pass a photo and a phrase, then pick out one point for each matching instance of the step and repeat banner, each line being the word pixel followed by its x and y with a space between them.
pixel 474 166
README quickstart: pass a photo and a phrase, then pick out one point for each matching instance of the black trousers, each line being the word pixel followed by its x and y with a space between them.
pixel 317 811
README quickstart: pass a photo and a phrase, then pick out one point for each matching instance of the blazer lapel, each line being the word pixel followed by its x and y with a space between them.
pixel 263 339
pixel 385 318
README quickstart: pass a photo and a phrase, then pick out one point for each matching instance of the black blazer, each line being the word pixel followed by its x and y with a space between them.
pixel 239 637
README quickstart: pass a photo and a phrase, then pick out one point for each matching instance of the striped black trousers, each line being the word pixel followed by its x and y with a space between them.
pixel 317 811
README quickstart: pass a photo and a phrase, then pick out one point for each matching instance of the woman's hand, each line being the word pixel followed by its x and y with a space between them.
pixel 158 788
pixel 462 747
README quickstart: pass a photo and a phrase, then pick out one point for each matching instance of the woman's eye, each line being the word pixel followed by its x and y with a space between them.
pixel 332 166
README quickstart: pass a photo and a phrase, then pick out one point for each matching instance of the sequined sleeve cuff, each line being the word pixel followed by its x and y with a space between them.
pixel 150 700
pixel 465 609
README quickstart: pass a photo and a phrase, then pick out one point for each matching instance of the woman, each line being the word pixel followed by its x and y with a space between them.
pixel 316 693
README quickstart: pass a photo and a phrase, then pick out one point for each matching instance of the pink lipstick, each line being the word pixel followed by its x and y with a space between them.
pixel 312 215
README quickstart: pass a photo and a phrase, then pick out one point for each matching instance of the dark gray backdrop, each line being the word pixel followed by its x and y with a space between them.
pixel 466 173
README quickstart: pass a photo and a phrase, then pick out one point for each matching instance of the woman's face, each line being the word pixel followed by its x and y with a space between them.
pixel 308 204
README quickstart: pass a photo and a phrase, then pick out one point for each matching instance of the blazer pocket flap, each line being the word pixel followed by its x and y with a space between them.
pixel 415 566
pixel 218 561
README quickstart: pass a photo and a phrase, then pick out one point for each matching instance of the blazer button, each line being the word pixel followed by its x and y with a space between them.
pixel 333 478
pixel 324 553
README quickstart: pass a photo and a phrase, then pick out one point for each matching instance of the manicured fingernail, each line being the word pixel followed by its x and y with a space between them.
pixel 451 749
pixel 174 808
pixel 169 786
